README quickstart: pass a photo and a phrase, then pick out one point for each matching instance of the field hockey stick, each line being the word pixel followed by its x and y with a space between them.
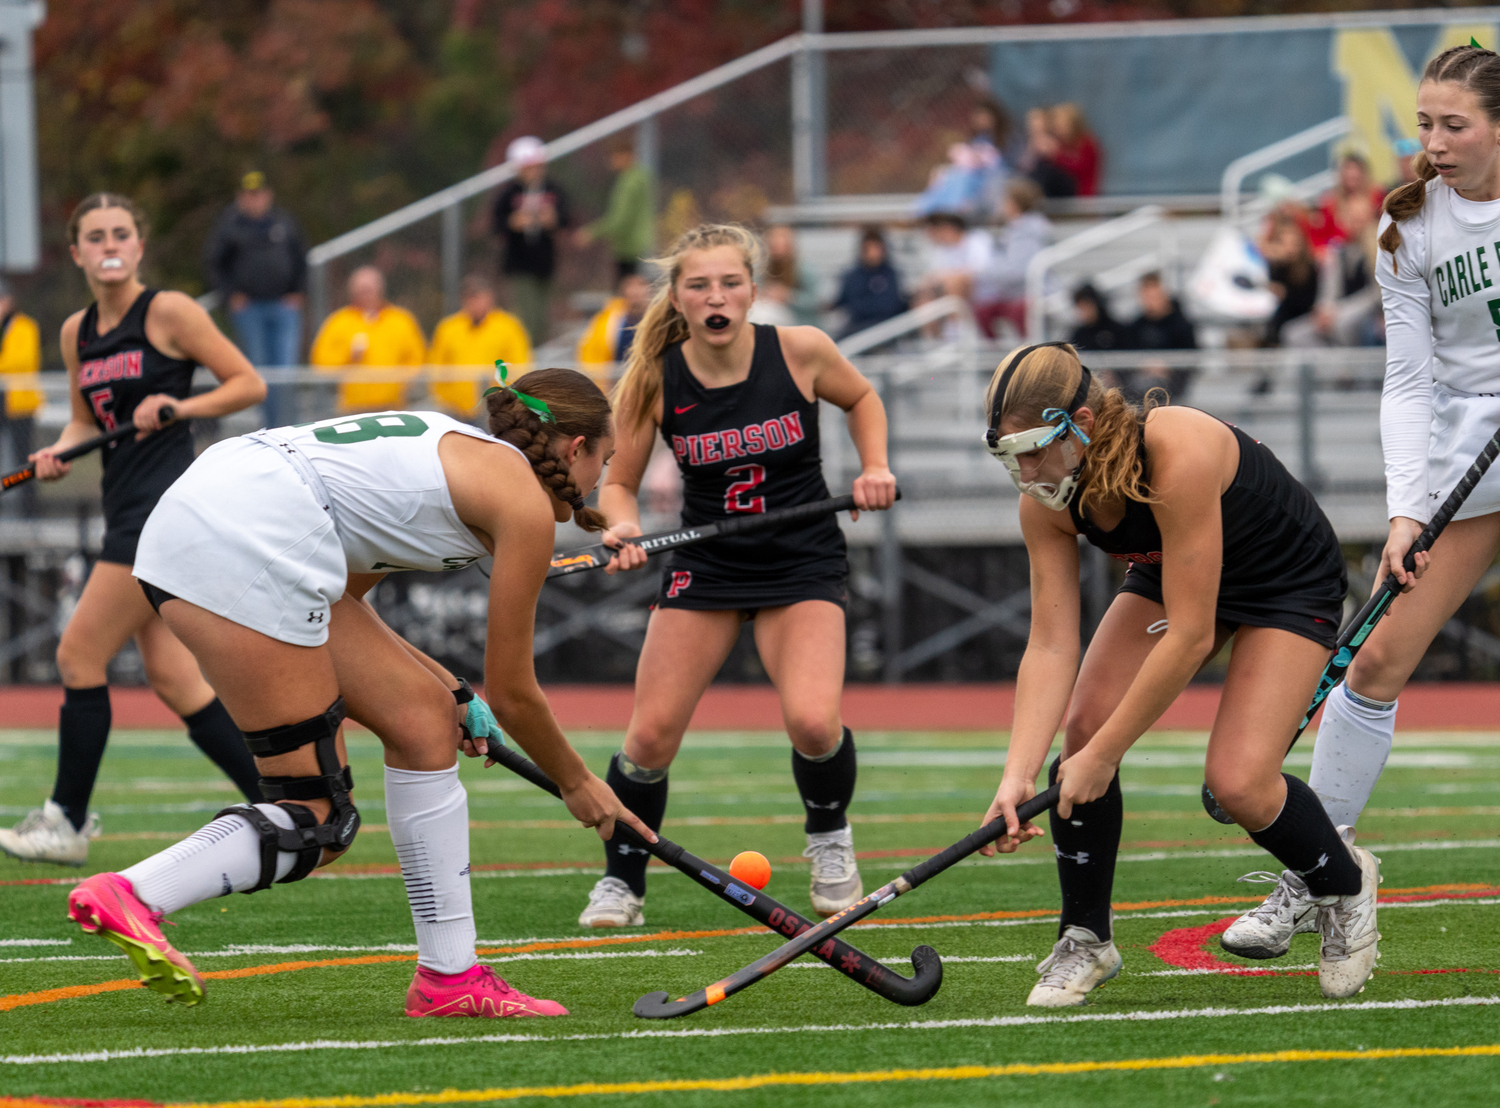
pixel 851 962
pixel 1354 635
pixel 27 472
pixel 820 940
pixel 598 555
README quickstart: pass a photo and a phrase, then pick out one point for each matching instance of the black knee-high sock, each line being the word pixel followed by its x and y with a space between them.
pixel 1086 844
pixel 82 731
pixel 214 733
pixel 648 800
pixel 826 785
pixel 1304 840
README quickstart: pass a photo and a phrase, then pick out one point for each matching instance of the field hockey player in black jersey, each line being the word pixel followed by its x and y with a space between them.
pixel 1222 545
pixel 129 354
pixel 738 405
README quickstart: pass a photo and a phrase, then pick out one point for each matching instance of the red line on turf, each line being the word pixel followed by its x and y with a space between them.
pixel 71 1102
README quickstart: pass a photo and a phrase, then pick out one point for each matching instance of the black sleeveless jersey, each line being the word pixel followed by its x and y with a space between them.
pixel 116 371
pixel 1280 551
pixel 748 447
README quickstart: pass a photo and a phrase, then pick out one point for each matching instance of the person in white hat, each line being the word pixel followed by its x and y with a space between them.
pixel 529 211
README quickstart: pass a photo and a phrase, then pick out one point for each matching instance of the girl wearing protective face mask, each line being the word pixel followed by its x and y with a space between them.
pixel 1222 544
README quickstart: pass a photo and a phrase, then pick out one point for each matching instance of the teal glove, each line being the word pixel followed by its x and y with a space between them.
pixel 481 723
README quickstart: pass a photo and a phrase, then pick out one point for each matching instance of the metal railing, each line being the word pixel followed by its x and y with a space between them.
pixel 1238 170
pixel 1085 242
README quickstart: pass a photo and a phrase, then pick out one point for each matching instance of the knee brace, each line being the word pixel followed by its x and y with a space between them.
pixel 307 838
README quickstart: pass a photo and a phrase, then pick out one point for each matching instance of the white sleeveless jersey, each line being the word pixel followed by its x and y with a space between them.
pixel 385 485
pixel 1441 293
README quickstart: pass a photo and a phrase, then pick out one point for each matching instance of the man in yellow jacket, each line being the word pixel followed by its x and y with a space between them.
pixel 369 333
pixel 20 353
pixel 606 341
pixel 477 335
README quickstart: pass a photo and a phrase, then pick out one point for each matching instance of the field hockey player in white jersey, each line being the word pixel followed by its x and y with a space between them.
pixel 1439 273
pixel 259 557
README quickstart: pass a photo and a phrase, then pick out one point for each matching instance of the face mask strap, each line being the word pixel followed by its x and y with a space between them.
pixel 1085 380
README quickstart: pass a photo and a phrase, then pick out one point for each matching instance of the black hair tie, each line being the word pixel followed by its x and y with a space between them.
pixel 577 504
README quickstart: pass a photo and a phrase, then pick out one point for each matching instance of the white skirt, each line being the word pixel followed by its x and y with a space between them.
pixel 242 536
pixel 1461 425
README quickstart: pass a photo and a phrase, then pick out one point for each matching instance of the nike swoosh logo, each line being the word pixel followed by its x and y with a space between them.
pixel 679 411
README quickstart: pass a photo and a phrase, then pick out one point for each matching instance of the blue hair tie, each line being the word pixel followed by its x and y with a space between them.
pixel 1064 424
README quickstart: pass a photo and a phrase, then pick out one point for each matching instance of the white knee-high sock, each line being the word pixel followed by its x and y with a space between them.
pixel 428 815
pixel 216 860
pixel 1354 741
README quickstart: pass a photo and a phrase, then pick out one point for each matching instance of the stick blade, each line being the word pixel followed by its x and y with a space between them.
pixel 926 980
pixel 661 1006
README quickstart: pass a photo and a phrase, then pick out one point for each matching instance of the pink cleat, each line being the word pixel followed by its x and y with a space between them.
pixel 106 905
pixel 475 992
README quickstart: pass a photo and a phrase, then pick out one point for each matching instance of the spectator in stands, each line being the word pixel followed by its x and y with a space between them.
pixel 476 335
pixel 371 333
pixel 1096 328
pixel 1077 151
pixel 528 213
pixel 606 341
pixel 955 254
pixel 1292 269
pixel 629 221
pixel 972 181
pixel 1347 312
pixel 257 260
pixel 1039 162
pixel 20 353
pixel 1328 224
pixel 999 289
pixel 870 291
pixel 787 282
pixel 1160 326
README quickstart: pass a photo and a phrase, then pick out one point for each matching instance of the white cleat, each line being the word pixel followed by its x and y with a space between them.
pixel 835 875
pixel 612 904
pixel 46 835
pixel 1347 924
pixel 1266 930
pixel 1079 964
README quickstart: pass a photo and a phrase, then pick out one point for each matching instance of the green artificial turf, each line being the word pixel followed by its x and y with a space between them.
pixel 732 793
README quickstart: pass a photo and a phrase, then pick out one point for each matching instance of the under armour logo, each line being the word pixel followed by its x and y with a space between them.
pixel 464 872
pixel 1082 857
pixel 832 806
pixel 315 617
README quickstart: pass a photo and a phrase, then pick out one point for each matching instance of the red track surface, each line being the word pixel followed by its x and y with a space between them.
pixel 866 707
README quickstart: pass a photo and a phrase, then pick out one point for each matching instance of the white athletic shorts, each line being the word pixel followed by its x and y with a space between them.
pixel 241 535
pixel 1462 423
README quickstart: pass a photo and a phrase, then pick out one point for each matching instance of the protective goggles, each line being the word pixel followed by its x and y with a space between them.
pixel 1058 426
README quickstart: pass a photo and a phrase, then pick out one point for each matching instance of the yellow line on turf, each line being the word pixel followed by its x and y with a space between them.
pixel 760 1081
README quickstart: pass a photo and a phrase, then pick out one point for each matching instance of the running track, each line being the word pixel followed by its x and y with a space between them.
pixel 866 707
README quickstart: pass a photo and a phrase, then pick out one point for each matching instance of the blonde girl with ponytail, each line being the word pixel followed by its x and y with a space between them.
pixel 1221 546
pixel 737 403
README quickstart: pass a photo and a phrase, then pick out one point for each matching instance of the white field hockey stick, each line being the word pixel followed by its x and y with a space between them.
pixel 1354 635
pixel 598 555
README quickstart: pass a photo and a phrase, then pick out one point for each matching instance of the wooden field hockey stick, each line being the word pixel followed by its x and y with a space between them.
pixel 819 941
pixel 851 962
pixel 1354 635
pixel 27 472
pixel 598 555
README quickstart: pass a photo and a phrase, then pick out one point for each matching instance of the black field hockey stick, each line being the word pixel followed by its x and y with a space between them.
pixel 819 941
pixel 851 962
pixel 598 555
pixel 1354 635
pixel 27 472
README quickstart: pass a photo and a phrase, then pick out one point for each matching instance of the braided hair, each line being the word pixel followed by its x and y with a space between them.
pixel 1470 67
pixel 577 407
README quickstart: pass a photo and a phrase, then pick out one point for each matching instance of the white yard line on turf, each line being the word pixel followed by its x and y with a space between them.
pixel 35 942
pixel 591 955
pixel 1327 1008
pixel 899 958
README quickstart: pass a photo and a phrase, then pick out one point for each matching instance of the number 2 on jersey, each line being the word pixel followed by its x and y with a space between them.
pixel 752 476
pixel 100 399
